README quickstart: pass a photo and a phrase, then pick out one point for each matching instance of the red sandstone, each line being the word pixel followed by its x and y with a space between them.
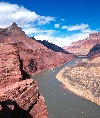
pixel 18 98
pixel 35 56
pixel 82 47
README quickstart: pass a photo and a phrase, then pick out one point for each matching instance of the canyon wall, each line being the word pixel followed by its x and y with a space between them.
pixel 34 55
pixel 19 97
pixel 82 47
pixel 84 77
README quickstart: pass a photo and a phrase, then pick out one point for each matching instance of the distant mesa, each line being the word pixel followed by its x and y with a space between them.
pixel 82 47
pixel 83 78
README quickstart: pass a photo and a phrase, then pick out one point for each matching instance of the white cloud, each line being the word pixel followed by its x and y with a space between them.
pixel 65 40
pixel 63 19
pixel 13 13
pixel 29 20
pixel 64 27
pixel 38 31
pixel 76 27
pixel 31 30
pixel 45 19
pixel 57 25
pixel 89 31
pixel 60 41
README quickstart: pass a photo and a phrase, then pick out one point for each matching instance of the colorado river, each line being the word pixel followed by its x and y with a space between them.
pixel 62 103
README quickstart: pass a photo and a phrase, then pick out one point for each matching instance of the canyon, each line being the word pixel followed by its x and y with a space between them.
pixel 35 56
pixel 20 58
pixel 19 97
pixel 82 47
pixel 83 78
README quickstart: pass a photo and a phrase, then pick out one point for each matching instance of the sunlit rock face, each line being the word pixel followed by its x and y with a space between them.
pixel 9 65
pixel 34 55
pixel 82 47
pixel 21 57
pixel 19 97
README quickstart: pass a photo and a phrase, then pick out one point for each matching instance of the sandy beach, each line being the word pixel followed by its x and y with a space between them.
pixel 77 88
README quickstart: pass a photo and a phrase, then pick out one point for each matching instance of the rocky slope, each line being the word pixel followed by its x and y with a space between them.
pixel 82 47
pixel 34 55
pixel 53 46
pixel 19 98
pixel 84 78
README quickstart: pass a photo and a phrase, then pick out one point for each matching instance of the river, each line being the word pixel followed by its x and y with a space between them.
pixel 62 103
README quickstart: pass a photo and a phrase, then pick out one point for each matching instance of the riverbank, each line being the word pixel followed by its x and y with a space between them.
pixel 60 102
pixel 72 59
pixel 83 80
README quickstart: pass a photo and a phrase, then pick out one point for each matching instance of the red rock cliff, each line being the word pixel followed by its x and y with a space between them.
pixel 35 56
pixel 82 47
pixel 18 98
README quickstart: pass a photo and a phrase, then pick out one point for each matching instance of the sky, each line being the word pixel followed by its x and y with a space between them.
pixel 58 21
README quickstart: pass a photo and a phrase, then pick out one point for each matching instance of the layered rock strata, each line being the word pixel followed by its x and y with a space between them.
pixel 34 55
pixel 9 65
pixel 18 98
pixel 82 47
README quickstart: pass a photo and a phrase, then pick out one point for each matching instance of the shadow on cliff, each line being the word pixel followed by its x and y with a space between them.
pixel 25 75
pixel 95 49
pixel 10 109
pixel 51 46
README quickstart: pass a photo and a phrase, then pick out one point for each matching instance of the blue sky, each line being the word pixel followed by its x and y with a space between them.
pixel 58 21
